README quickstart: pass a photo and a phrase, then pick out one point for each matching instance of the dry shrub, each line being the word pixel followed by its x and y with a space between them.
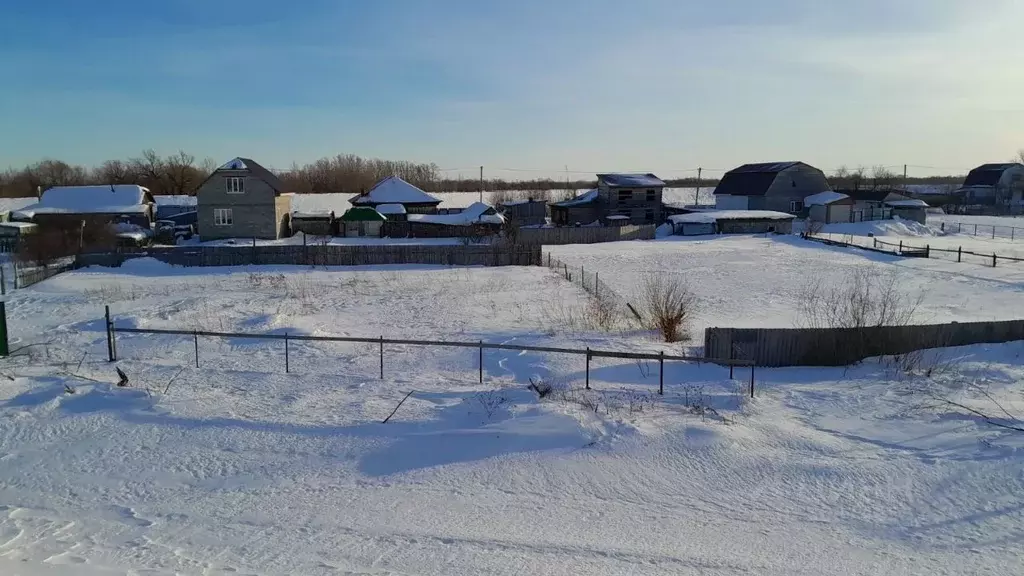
pixel 668 305
pixel 813 227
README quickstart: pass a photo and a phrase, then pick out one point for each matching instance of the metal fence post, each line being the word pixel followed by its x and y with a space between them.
pixel 597 285
pixel 382 357
pixel 751 380
pixel 901 246
pixel 195 340
pixel 661 373
pixel 959 253
pixel 110 336
pixel 993 232
pixel 993 259
pixel 3 280
pixel 481 362
pixel 975 229
pixel 588 368
pixel 286 365
pixel 4 347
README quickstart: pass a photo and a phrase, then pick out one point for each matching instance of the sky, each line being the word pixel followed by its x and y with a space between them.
pixel 525 88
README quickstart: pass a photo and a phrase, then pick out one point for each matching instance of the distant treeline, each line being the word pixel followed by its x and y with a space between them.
pixel 182 173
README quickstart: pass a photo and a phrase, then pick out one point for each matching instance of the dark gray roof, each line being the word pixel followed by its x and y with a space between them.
pixel 587 197
pixel 752 179
pixel 638 180
pixel 988 174
pixel 257 170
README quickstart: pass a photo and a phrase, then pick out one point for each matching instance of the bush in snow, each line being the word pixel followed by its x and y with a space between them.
pixel 668 305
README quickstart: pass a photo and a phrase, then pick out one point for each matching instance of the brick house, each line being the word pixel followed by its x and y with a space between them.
pixel 242 199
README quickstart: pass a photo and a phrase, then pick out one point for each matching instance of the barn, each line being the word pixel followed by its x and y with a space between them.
pixel 774 186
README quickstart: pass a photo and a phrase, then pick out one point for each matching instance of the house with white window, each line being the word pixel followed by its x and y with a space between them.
pixel 242 199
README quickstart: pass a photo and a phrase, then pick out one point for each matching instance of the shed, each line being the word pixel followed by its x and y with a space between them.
pixel 11 234
pixel 773 186
pixel 360 221
pixel 394 190
pixel 585 208
pixel 525 212
pixel 910 209
pixel 732 222
pixel 829 207
pixel 318 223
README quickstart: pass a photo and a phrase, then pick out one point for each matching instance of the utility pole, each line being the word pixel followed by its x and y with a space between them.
pixel 481 184
pixel 696 197
pixel 904 174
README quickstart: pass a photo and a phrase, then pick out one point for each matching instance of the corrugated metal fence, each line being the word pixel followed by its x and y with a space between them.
pixel 841 346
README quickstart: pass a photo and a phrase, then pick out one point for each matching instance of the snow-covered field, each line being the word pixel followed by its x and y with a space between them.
pixel 239 468
pixel 757 281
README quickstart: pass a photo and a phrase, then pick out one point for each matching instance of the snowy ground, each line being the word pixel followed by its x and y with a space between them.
pixel 757 281
pixel 240 468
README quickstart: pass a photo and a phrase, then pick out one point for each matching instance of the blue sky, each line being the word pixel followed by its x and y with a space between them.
pixel 661 85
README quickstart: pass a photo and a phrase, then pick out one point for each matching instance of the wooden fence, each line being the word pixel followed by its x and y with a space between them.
pixel 841 346
pixel 26 275
pixel 328 255
pixel 584 235
pixel 907 250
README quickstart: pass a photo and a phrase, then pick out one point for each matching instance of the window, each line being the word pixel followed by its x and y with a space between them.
pixel 625 195
pixel 651 195
pixel 796 206
pixel 222 217
pixel 235 185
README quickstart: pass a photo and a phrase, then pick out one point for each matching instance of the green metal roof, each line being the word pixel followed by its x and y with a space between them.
pixel 361 214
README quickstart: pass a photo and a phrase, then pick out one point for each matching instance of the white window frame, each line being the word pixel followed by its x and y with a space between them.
pixel 235 184
pixel 796 205
pixel 223 217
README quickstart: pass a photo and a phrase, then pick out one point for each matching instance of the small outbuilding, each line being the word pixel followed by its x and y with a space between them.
pixel 320 223
pixel 528 212
pixel 829 207
pixel 64 206
pixel 909 209
pixel 360 221
pixel 582 210
pixel 732 222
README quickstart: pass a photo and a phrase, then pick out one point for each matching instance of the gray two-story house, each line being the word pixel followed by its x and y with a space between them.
pixel 778 186
pixel 618 199
pixel 242 199
pixel 635 196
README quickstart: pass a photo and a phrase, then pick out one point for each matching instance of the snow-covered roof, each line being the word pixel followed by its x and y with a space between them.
pixel 618 217
pixel 823 198
pixel 313 214
pixel 394 190
pixel 14 204
pixel 716 215
pixel 106 199
pixel 19 225
pixel 391 209
pixel 236 164
pixel 584 198
pixel 638 180
pixel 911 203
pixel 475 213
pixel 175 200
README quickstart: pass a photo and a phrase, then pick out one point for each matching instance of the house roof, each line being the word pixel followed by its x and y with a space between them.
pixel 107 199
pixel 254 168
pixel 716 215
pixel 908 203
pixel 392 209
pixel 475 213
pixel 630 180
pixel 394 190
pixel 825 198
pixel 988 174
pixel 584 198
pixel 361 214
pixel 751 179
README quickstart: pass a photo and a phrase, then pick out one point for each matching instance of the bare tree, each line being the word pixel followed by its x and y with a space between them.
pixel 863 298
pixel 180 173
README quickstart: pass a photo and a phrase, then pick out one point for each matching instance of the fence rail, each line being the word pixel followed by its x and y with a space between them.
pixel 983 230
pixel 661 357
pixel 908 250
pixel 775 347
pixel 584 235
